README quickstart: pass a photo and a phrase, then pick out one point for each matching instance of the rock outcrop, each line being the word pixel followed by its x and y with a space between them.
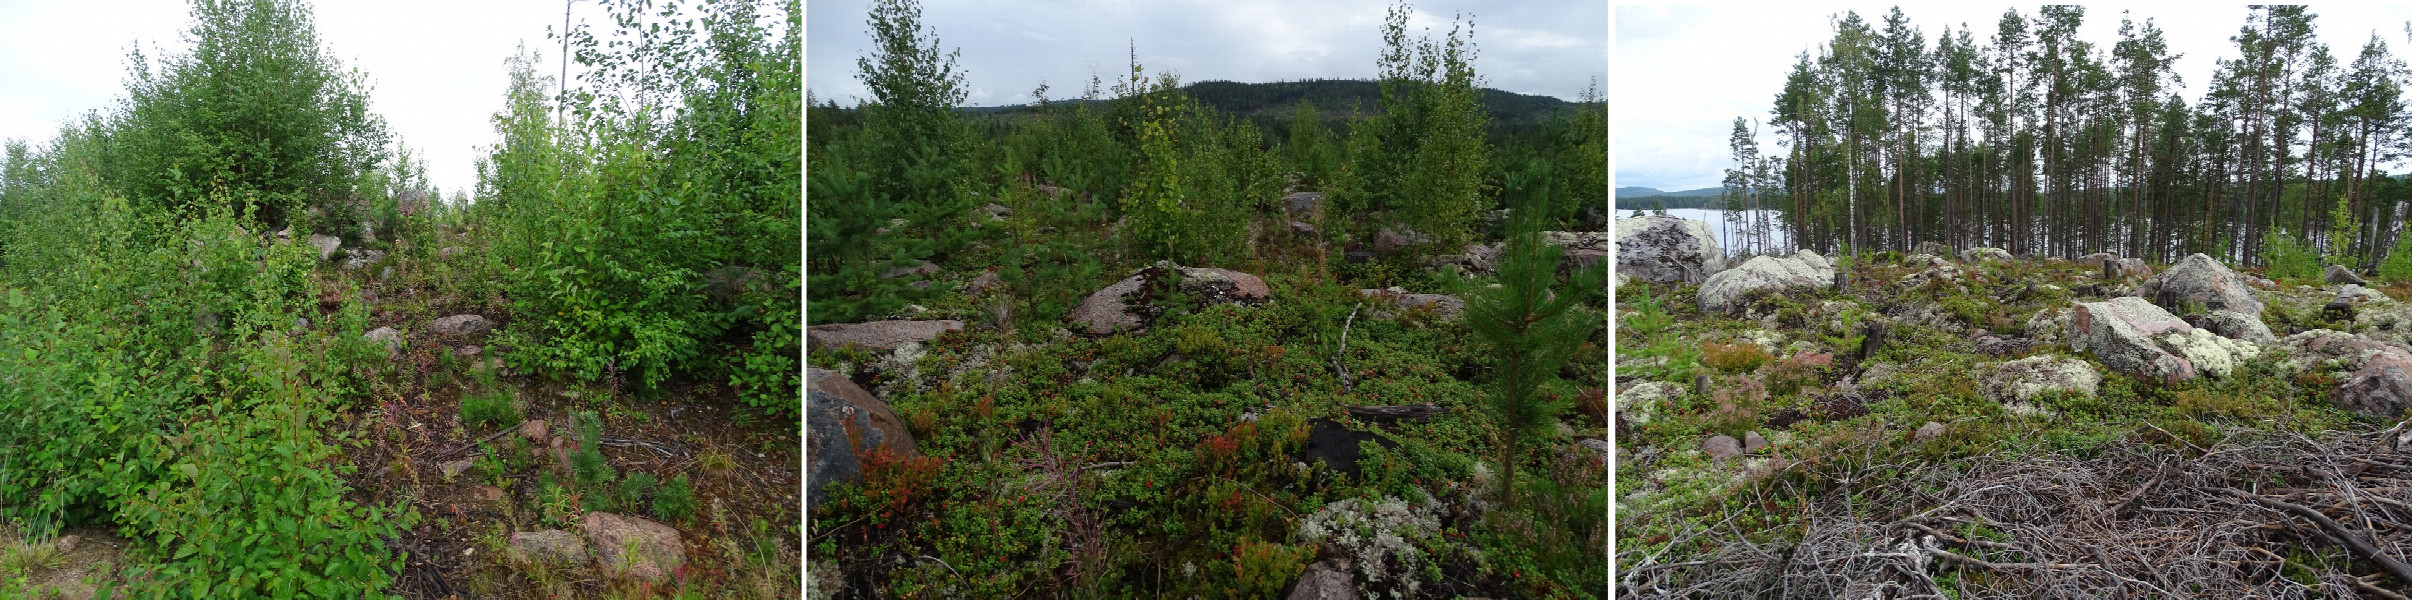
pixel 1805 269
pixel 835 408
pixel 2221 295
pixel 1661 249
pixel 877 335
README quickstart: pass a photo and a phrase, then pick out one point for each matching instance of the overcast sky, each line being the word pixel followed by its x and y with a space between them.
pixel 1549 47
pixel 437 65
pixel 1682 73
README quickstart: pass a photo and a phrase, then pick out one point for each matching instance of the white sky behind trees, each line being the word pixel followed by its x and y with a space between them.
pixel 1683 72
pixel 1549 47
pixel 436 66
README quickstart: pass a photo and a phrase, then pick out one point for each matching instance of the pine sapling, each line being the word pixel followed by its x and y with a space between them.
pixel 1533 329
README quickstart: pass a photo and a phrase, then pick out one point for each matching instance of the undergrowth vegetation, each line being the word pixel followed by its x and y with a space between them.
pixel 1188 457
pixel 1846 446
pixel 182 366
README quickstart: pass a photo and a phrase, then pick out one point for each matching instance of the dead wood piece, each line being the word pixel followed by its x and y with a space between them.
pixel 1411 412
pixel 2402 571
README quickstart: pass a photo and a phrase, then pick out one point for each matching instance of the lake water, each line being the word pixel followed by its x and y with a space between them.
pixel 1716 222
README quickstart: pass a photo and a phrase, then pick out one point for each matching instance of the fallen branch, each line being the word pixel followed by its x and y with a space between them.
pixel 1346 385
pixel 1411 412
pixel 2401 571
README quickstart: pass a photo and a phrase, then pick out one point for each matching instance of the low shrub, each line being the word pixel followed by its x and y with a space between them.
pixel 1733 358
pixel 479 411
pixel 675 501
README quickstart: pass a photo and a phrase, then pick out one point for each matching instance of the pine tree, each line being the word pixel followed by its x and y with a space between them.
pixel 1533 324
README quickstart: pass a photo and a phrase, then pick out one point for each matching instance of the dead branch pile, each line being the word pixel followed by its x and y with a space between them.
pixel 2258 515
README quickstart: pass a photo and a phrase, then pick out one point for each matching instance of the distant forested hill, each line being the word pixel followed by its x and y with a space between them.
pixel 1643 198
pixel 1332 97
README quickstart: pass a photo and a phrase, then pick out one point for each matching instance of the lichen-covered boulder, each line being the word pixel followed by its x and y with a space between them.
pixel 1641 402
pixel 2374 377
pixel 1128 304
pixel 1945 274
pixel 2130 267
pixel 1661 249
pixel 2381 388
pixel 842 424
pixel 2025 379
pixel 1805 269
pixel 2200 282
pixel 2356 294
pixel 2340 274
pixel 1396 238
pixel 1478 259
pixel 1985 254
pixel 2123 333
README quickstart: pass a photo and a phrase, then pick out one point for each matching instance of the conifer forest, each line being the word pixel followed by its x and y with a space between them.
pixel 1144 337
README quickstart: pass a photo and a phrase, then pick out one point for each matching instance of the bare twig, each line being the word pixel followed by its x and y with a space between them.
pixel 2345 536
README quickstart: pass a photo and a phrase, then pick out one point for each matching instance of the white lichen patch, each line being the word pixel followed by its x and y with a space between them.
pixel 1379 536
pixel 2022 381
pixel 2211 354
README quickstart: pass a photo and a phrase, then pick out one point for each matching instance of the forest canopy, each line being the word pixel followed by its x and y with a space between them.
pixel 2029 137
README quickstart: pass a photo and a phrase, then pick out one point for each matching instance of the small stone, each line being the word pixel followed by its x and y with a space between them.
pixel 1722 446
pixel 487 493
pixel 391 339
pixel 467 351
pixel 455 468
pixel 460 325
pixel 67 543
pixel 982 283
pixel 326 245
pixel 1301 228
pixel 535 430
pixel 1930 431
pixel 1752 442
pixel 1326 580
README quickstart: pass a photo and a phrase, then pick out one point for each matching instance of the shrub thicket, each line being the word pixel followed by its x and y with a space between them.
pixel 258 115
pixel 653 231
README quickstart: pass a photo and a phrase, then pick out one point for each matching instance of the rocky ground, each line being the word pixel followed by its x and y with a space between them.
pixel 484 454
pixel 1972 424
pixel 1263 429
